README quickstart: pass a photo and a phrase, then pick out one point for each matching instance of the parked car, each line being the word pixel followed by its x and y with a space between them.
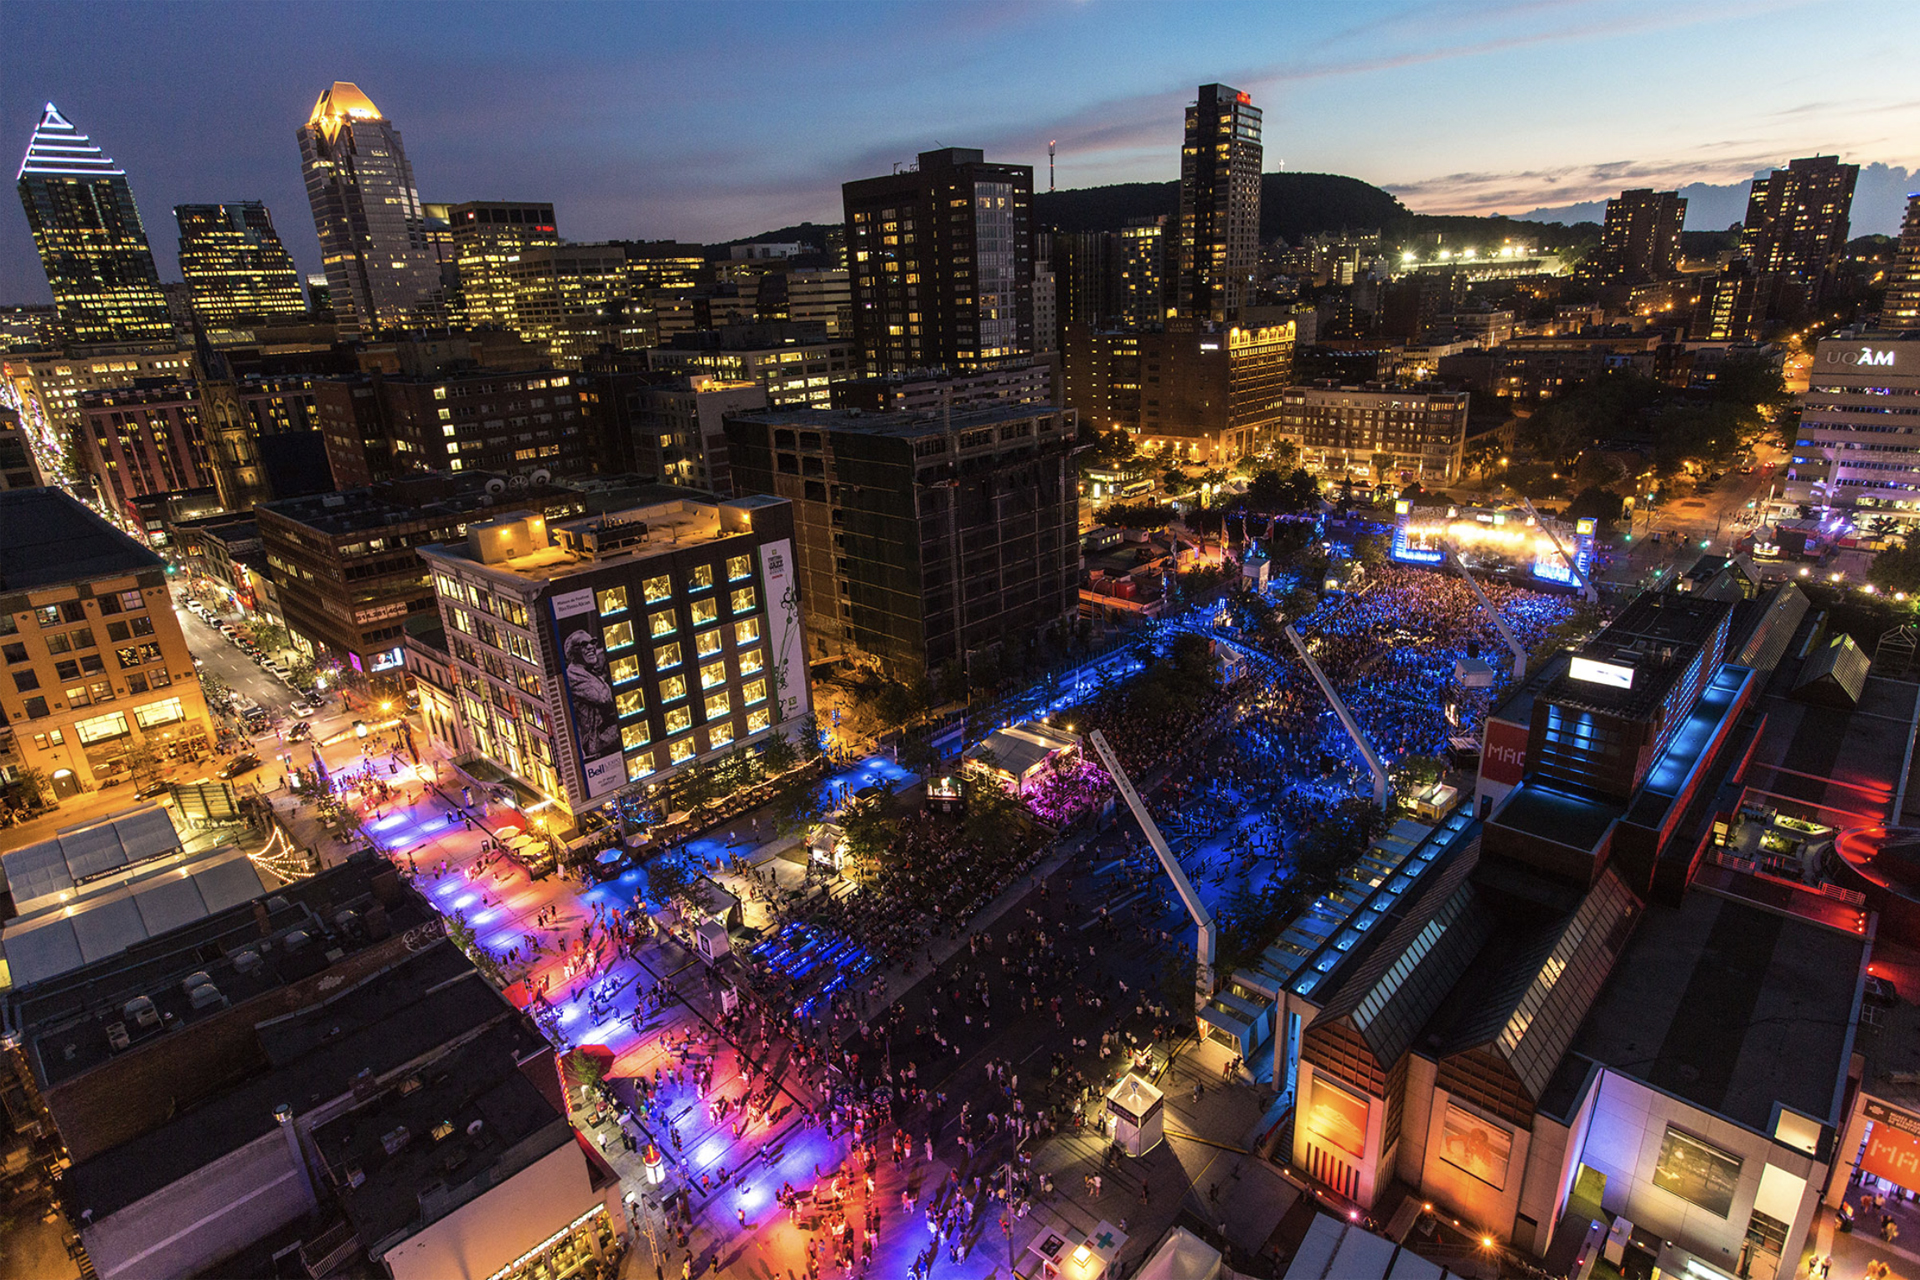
pixel 155 787
pixel 240 764
pixel 299 707
pixel 1880 991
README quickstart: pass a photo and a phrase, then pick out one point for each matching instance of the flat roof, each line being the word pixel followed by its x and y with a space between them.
pixel 1732 1007
pixel 53 539
pixel 904 423
pixel 676 522
pixel 388 1020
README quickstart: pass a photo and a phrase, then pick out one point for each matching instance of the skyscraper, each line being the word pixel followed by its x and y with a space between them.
pixel 382 272
pixel 1640 240
pixel 488 237
pixel 1219 204
pixel 1901 313
pixel 1793 240
pixel 90 238
pixel 942 262
pixel 235 266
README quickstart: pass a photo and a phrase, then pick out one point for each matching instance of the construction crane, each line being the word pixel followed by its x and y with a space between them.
pixel 1499 623
pixel 1586 588
pixel 1367 753
pixel 1202 918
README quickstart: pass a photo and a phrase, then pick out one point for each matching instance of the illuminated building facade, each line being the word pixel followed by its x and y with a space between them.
pixel 554 287
pixel 1858 447
pixel 90 238
pixel 1640 240
pixel 794 365
pixel 488 237
pixel 235 267
pixel 595 653
pixel 1901 311
pixel 1142 266
pixel 1791 246
pixel 528 424
pixel 44 388
pixel 140 441
pixel 1378 433
pixel 383 272
pixel 942 260
pixel 95 665
pixel 1219 205
pixel 1206 394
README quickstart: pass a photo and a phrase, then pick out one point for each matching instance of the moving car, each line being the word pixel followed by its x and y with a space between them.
pixel 239 764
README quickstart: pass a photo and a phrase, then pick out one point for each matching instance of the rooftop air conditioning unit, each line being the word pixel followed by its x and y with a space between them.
pixel 141 1013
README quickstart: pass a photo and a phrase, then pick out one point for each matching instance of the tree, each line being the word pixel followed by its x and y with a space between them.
pixel 1135 515
pixel 270 637
pixel 1412 774
pixel 142 761
pixel 866 834
pixel 1276 493
pixel 301 673
pixel 1599 504
pixel 779 755
pixel 33 784
pixel 1897 569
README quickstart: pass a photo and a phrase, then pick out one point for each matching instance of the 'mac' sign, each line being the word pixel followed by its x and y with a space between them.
pixel 1893 1150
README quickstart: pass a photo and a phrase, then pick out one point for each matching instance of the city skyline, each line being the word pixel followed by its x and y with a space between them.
pixel 659 127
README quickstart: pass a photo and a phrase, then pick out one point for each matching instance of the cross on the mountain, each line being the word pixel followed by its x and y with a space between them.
pixel 1103 1241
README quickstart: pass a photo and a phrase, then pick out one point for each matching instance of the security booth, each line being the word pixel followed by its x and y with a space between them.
pixel 1138 1109
pixel 711 941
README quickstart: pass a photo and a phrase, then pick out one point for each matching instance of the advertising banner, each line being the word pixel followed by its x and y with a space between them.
pixel 788 648
pixel 1503 758
pixel 1338 1119
pixel 1893 1145
pixel 1471 1144
pixel 596 727
pixel 1698 1173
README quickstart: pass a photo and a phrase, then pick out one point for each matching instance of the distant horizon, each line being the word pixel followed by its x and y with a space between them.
pixel 661 122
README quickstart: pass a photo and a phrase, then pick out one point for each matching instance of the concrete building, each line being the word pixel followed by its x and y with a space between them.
pixel 1380 433
pixel 922 539
pixel 1858 449
pixel 96 666
pixel 1640 239
pixel 346 564
pixel 44 388
pixel 143 441
pixel 1219 205
pixel 942 258
pixel 795 362
pixel 488 237
pixel 382 272
pixel 616 649
pixel 1792 242
pixel 1901 311
pixel 523 423
pixel 931 390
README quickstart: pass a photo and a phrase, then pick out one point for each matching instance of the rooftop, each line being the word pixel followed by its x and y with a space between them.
pixel 528 549
pixel 902 424
pixel 1657 635
pixel 1731 1006
pixel 402 1014
pixel 439 495
pixel 52 540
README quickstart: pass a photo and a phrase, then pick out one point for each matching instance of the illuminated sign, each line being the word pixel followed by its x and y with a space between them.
pixel 1401 507
pixel 1864 356
pixel 1584 528
pixel 1607 673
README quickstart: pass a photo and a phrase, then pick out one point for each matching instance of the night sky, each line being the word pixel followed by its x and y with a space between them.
pixel 709 121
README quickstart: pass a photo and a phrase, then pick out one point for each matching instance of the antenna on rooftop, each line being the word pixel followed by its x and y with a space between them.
pixel 1050 147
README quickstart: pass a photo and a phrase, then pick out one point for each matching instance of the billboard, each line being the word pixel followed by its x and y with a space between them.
pixel 590 709
pixel 785 642
pixel 1474 1146
pixel 1701 1174
pixel 1893 1146
pixel 1335 1118
pixel 1503 752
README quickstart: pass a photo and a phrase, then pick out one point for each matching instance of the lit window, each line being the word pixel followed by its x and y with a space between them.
pixel 739 567
pixel 667 655
pixel 754 692
pixel 744 600
pixel 679 720
pixel 673 687
pixel 719 735
pixel 702 577
pixel 662 623
pixel 704 611
pixel 758 720
pixel 619 635
pixel 629 702
pixel 625 669
pixel 613 600
pixel 707 643
pixel 751 661
pixel 657 589
pixel 747 632
pixel 634 735
pixel 681 751
pixel 714 673
pixel 639 766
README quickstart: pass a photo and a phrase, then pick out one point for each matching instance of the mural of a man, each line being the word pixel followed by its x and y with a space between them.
pixel 591 687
